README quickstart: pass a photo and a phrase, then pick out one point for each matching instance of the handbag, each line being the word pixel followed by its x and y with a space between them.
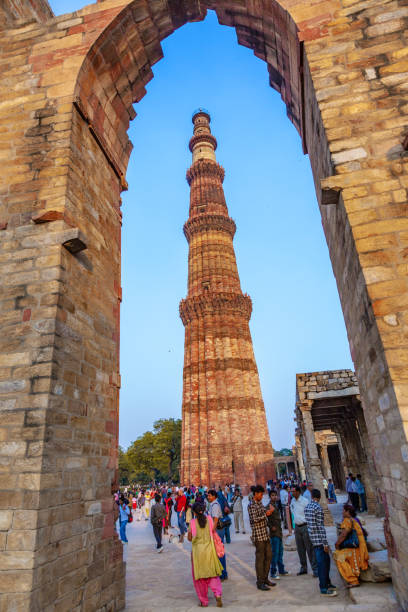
pixel 218 544
pixel 351 541
pixel 130 517
pixel 223 522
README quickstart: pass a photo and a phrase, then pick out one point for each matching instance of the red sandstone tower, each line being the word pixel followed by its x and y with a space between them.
pixel 225 435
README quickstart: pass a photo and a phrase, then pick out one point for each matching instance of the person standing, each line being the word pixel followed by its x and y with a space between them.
pixel 181 505
pixel 124 512
pixel 206 566
pixel 317 532
pixel 157 515
pixel 361 493
pixel 238 510
pixel 222 500
pixel 303 543
pixel 332 492
pixel 258 517
pixel 275 532
pixel 284 497
pixel 353 493
pixel 326 488
pixel 308 492
pixel 215 512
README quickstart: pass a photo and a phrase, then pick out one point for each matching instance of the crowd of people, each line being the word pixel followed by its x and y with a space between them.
pixel 205 516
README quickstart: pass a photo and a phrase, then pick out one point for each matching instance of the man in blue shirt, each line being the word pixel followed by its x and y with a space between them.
pixel 315 525
pixel 361 492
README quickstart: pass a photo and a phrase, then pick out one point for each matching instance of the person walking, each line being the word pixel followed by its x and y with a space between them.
pixel 361 493
pixel 303 543
pixel 238 510
pixel 157 516
pixel 215 513
pixel 275 532
pixel 124 513
pixel 222 500
pixel 181 506
pixel 258 517
pixel 317 532
pixel 206 566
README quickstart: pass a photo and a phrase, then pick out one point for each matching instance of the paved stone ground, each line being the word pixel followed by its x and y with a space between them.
pixel 163 581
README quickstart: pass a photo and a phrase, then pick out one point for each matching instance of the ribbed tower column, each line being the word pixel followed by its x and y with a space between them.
pixel 225 435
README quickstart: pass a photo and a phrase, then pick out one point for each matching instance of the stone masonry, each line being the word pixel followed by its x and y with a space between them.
pixel 67 91
pixel 225 435
pixel 328 406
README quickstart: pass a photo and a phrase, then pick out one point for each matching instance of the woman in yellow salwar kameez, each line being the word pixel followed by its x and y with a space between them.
pixel 350 561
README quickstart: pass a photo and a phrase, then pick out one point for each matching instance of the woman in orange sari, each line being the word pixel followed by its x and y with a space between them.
pixel 350 561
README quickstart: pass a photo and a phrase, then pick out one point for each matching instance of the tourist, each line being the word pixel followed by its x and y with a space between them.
pixel 303 543
pixel 258 517
pixel 181 505
pixel 308 492
pixel 317 533
pixel 275 532
pixel 157 516
pixel 222 500
pixel 215 513
pixel 146 508
pixel 168 505
pixel 206 566
pixel 349 487
pixel 361 493
pixel 124 512
pixel 332 492
pixel 238 510
pixel 284 498
pixel 251 495
pixel 351 554
pixel 326 488
pixel 353 493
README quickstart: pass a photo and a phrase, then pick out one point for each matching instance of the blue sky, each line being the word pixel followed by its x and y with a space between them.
pixel 297 324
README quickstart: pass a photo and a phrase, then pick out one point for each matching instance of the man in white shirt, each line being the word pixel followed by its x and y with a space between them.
pixel 303 543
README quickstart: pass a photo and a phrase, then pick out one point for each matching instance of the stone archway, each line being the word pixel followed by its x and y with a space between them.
pixel 71 82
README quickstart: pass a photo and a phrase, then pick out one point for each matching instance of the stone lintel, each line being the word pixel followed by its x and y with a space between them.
pixel 312 395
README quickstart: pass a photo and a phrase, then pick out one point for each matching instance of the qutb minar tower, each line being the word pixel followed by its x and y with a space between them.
pixel 225 435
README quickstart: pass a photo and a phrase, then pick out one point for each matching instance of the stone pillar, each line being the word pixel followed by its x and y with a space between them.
pixel 367 467
pixel 344 459
pixel 299 456
pixel 325 461
pixel 315 471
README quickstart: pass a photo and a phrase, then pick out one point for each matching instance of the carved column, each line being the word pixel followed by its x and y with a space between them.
pixel 299 456
pixel 325 460
pixel 315 471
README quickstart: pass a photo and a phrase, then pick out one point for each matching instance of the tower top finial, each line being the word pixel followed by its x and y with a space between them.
pixel 201 111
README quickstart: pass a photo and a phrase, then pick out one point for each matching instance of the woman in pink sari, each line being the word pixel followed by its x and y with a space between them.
pixel 206 567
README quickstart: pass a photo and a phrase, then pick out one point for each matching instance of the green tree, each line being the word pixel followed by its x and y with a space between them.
pixel 283 452
pixel 155 454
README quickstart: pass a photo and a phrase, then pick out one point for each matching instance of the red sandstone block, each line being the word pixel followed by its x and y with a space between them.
pixel 27 314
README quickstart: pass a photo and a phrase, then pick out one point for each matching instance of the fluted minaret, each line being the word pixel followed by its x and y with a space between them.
pixel 225 435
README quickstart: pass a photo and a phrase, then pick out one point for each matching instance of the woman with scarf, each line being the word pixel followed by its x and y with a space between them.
pixel 351 554
pixel 206 566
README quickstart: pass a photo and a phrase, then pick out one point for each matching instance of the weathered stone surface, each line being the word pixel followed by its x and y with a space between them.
pixel 379 569
pixel 65 108
pixel 218 341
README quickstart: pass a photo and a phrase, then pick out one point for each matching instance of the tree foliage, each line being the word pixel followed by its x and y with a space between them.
pixel 283 452
pixel 155 455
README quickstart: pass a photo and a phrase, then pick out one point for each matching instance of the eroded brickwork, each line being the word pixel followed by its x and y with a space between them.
pixel 67 88
pixel 225 435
